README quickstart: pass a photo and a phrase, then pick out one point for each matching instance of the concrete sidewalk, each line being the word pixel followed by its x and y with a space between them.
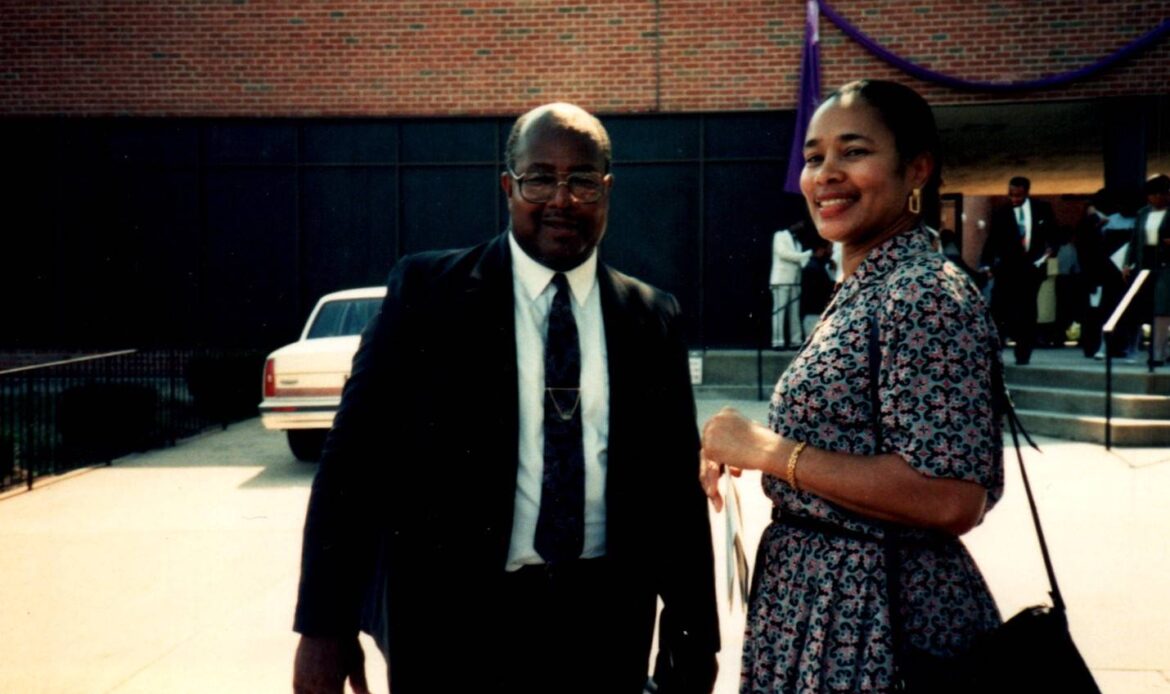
pixel 175 570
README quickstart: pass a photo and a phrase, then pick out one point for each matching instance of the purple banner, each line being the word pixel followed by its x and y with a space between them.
pixel 956 83
pixel 809 98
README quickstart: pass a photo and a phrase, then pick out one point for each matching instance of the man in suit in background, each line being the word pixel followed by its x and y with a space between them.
pixel 1019 244
pixel 508 487
pixel 1150 250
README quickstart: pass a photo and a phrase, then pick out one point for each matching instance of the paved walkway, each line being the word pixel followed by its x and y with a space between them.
pixel 175 571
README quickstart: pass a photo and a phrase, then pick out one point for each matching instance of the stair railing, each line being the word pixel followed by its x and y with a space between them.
pixel 1107 339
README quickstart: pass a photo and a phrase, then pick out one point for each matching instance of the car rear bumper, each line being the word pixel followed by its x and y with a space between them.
pixel 298 414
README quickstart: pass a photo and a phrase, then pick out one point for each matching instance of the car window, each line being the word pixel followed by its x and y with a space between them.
pixel 343 317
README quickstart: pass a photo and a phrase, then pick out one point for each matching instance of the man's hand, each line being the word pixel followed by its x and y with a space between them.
pixel 693 674
pixel 323 664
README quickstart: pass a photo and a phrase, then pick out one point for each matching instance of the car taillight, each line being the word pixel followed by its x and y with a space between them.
pixel 270 378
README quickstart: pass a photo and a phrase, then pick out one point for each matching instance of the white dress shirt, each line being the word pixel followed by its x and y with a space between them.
pixel 532 297
pixel 1153 221
pixel 1026 219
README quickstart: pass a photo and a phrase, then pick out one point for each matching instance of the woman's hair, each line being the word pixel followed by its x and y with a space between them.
pixel 907 115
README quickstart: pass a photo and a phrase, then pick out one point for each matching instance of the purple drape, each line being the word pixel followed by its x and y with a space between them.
pixel 810 75
pixel 809 98
pixel 922 73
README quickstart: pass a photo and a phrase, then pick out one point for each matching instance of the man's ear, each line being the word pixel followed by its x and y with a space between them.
pixel 506 182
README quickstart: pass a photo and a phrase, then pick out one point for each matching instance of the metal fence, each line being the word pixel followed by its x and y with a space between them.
pixel 86 410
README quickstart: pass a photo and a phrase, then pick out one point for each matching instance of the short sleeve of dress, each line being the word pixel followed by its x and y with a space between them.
pixel 938 347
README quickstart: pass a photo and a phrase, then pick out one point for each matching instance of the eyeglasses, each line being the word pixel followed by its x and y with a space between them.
pixel 538 188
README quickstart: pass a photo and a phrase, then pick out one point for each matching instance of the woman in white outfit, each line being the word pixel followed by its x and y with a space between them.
pixel 787 260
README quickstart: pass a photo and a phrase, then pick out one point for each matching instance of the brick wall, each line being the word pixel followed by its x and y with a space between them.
pixel 446 57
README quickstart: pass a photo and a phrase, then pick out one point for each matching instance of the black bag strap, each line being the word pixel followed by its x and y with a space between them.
pixel 1017 428
pixel 1002 404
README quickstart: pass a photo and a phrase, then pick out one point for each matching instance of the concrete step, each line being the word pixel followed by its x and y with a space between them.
pixel 743 367
pixel 1089 377
pixel 733 392
pixel 1125 431
pixel 1089 402
pixel 1063 398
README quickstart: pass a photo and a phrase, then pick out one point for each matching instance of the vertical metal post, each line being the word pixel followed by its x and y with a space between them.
pixel 759 373
pixel 1108 391
pixel 28 438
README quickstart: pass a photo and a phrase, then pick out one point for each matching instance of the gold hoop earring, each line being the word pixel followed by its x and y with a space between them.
pixel 915 202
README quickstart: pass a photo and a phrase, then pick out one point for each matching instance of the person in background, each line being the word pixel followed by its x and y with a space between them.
pixel 1069 290
pixel 788 258
pixel 1150 250
pixel 819 619
pixel 1117 233
pixel 1101 280
pixel 1019 244
pixel 818 281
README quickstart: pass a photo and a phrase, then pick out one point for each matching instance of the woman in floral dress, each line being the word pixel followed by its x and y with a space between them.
pixel 819 619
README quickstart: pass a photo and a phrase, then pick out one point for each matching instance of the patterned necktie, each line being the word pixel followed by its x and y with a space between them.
pixel 560 527
pixel 1023 227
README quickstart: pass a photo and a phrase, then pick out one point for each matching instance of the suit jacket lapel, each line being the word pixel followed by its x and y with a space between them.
pixel 621 346
pixel 491 340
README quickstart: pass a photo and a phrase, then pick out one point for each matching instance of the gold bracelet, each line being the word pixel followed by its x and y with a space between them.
pixel 792 458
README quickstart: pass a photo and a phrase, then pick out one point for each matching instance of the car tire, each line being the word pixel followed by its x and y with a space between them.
pixel 306 444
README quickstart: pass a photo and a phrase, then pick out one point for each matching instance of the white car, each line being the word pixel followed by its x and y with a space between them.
pixel 303 380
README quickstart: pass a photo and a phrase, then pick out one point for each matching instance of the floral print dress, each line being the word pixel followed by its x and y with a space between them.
pixel 818 620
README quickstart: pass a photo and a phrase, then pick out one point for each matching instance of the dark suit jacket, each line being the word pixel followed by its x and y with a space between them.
pixel 1159 264
pixel 1014 268
pixel 1137 248
pixel 411 511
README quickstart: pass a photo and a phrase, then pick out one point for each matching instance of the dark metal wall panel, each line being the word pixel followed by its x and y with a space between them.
pixel 28 242
pixel 250 288
pixel 742 208
pixel 450 141
pixel 94 260
pixel 250 143
pixel 653 232
pixel 448 207
pixel 749 136
pixel 345 143
pixel 655 138
pixel 157 214
pixel 154 231
pixel 170 144
pixel 349 228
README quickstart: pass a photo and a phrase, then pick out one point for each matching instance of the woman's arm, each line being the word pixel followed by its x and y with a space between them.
pixel 883 487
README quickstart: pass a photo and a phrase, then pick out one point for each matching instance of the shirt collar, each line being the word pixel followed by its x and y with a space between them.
pixel 883 259
pixel 535 277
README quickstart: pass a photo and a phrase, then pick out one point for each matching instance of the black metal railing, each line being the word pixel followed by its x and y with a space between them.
pixel 1107 338
pixel 81 411
pixel 772 332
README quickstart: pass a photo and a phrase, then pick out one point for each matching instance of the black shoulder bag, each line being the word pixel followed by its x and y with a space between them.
pixel 1031 652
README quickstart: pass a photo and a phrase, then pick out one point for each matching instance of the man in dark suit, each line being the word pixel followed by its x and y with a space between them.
pixel 1150 250
pixel 1019 244
pixel 509 487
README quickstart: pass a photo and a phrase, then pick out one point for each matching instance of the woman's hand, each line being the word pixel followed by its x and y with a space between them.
pixel 709 474
pixel 732 441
